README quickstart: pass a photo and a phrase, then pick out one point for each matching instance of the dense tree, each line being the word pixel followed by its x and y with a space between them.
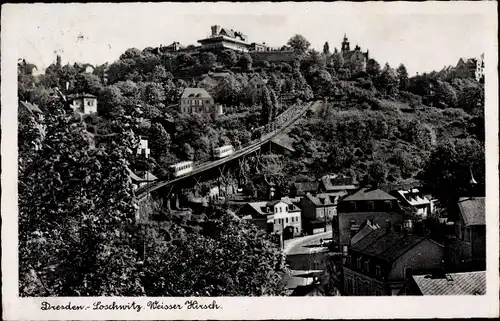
pixel 208 59
pixel 372 68
pixel 87 83
pixel 228 91
pixel 299 43
pixel 449 167
pixel 110 101
pixel 228 58
pixel 387 81
pixel 445 95
pixel 154 94
pixel 404 81
pixel 243 262
pixel 245 62
pixel 75 203
pixel 326 49
pixel 377 173
pixel 267 107
pixel 337 61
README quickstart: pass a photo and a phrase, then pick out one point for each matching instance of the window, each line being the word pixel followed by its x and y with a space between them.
pixel 358 263
pixel 388 205
pixel 348 261
pixel 293 218
pixel 408 272
pixel 370 205
pixel 286 220
pixel 352 206
pixel 367 266
pixel 378 272
pixel 297 229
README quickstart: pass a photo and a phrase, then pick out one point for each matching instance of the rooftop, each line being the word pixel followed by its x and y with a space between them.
pixel 467 283
pixel 413 197
pixel 338 182
pixel 387 245
pixel 306 186
pixel 195 93
pixel 324 199
pixel 369 194
pixel 472 210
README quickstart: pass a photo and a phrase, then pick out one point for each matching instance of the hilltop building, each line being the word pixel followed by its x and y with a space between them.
pixel 470 68
pixel 355 59
pixel 198 100
pixel 83 103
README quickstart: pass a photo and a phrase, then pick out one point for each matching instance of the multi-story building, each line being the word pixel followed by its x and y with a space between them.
pixel 83 103
pixel 467 249
pixel 366 204
pixel 223 38
pixel 275 216
pixel 382 261
pixel 198 100
pixel 417 201
pixel 319 210
pixel 354 59
pixel 470 68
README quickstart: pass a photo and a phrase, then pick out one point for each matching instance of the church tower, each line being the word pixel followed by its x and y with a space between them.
pixel 345 44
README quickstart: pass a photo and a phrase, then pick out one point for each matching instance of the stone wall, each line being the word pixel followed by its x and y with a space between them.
pixel 273 56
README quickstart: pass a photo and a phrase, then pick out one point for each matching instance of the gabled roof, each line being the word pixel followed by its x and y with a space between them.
pixel 413 197
pixel 256 79
pixel 386 245
pixel 323 199
pixel 467 283
pixel 366 228
pixel 472 210
pixel 208 80
pixel 369 194
pixel 195 93
pixel 32 108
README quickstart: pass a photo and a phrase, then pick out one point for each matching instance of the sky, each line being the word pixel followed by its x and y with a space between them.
pixel 423 38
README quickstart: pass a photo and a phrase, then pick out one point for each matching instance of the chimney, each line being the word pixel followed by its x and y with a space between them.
pixel 388 225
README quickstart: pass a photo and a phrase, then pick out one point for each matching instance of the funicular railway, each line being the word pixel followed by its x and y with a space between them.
pixel 282 122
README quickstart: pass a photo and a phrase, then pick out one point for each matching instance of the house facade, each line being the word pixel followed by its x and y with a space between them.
pixel 299 189
pixel 355 59
pixel 366 204
pixel 417 201
pixel 224 38
pixel 467 249
pixel 83 103
pixel 320 207
pixel 381 262
pixel 198 100
pixel 276 216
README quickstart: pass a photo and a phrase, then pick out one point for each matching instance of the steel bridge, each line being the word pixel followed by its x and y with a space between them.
pixel 285 119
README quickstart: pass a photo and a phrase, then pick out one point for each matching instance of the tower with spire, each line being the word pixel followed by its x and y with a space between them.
pixel 345 44
pixel 355 59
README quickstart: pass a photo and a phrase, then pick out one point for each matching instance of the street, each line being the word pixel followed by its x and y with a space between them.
pixel 305 258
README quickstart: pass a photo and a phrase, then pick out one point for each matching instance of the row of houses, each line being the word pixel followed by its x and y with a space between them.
pixel 383 261
pixel 381 250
